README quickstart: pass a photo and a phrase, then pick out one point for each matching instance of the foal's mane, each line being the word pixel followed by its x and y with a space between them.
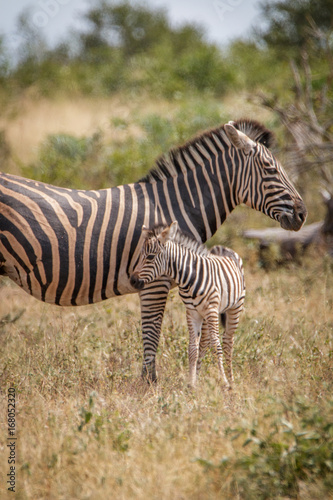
pixel 168 165
pixel 182 239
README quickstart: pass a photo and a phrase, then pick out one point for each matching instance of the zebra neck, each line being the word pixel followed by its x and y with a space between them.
pixel 200 200
pixel 182 264
pixel 197 184
pixel 212 197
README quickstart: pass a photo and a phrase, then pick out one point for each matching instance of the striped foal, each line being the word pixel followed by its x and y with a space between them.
pixel 209 283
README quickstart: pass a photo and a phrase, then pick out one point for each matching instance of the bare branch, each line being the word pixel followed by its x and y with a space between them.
pixel 297 80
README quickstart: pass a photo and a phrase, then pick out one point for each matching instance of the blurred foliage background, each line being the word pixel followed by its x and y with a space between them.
pixel 172 83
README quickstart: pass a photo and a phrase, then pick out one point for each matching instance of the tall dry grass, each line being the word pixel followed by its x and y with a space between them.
pixel 27 121
pixel 89 428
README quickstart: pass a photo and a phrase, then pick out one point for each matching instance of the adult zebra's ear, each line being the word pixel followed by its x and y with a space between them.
pixel 168 233
pixel 239 139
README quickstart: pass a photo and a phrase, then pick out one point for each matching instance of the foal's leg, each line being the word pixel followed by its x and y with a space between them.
pixel 204 344
pixel 194 323
pixel 213 325
pixel 232 320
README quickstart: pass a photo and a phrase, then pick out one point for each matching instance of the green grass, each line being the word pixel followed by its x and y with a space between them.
pixel 89 428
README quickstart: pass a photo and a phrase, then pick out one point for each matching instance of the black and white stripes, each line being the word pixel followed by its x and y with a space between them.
pixel 210 283
pixel 74 247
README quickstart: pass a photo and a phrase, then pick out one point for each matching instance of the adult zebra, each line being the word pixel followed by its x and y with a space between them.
pixel 75 247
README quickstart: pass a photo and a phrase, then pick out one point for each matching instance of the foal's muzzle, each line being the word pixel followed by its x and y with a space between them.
pixel 136 282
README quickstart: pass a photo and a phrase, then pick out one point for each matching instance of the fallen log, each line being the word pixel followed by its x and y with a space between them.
pixel 305 236
pixel 290 243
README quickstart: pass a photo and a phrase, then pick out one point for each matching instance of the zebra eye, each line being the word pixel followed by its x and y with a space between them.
pixel 270 168
pixel 150 257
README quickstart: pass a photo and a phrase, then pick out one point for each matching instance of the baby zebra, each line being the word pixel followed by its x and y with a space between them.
pixel 210 282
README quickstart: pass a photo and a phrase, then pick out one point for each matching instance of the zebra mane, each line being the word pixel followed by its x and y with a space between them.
pixel 168 164
pixel 182 239
pixel 255 131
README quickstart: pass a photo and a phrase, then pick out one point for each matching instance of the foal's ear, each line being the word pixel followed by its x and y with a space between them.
pixel 173 230
pixel 168 233
pixel 145 231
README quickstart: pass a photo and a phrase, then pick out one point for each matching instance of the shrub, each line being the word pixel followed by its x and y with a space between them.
pixel 68 161
pixel 277 457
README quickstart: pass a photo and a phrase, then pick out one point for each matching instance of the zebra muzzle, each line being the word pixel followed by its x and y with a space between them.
pixel 294 219
pixel 136 282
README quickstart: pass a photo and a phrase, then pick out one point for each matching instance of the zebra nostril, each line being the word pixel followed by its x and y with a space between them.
pixel 300 211
pixel 302 216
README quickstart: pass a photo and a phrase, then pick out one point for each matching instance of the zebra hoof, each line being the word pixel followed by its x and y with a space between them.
pixel 226 387
pixel 191 387
pixel 149 377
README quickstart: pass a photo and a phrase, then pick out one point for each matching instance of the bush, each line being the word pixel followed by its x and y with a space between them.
pixel 204 69
pixel 68 161
pixel 278 455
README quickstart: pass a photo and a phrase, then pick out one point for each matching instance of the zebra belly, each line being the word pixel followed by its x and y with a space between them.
pixel 219 298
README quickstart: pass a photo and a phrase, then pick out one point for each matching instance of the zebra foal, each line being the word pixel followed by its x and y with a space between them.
pixel 210 283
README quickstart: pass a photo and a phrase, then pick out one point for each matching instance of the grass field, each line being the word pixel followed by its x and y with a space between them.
pixel 87 427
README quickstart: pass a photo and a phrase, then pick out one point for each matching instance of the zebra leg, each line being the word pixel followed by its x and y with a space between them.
pixel 213 325
pixel 194 323
pixel 231 324
pixel 153 299
pixel 204 344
